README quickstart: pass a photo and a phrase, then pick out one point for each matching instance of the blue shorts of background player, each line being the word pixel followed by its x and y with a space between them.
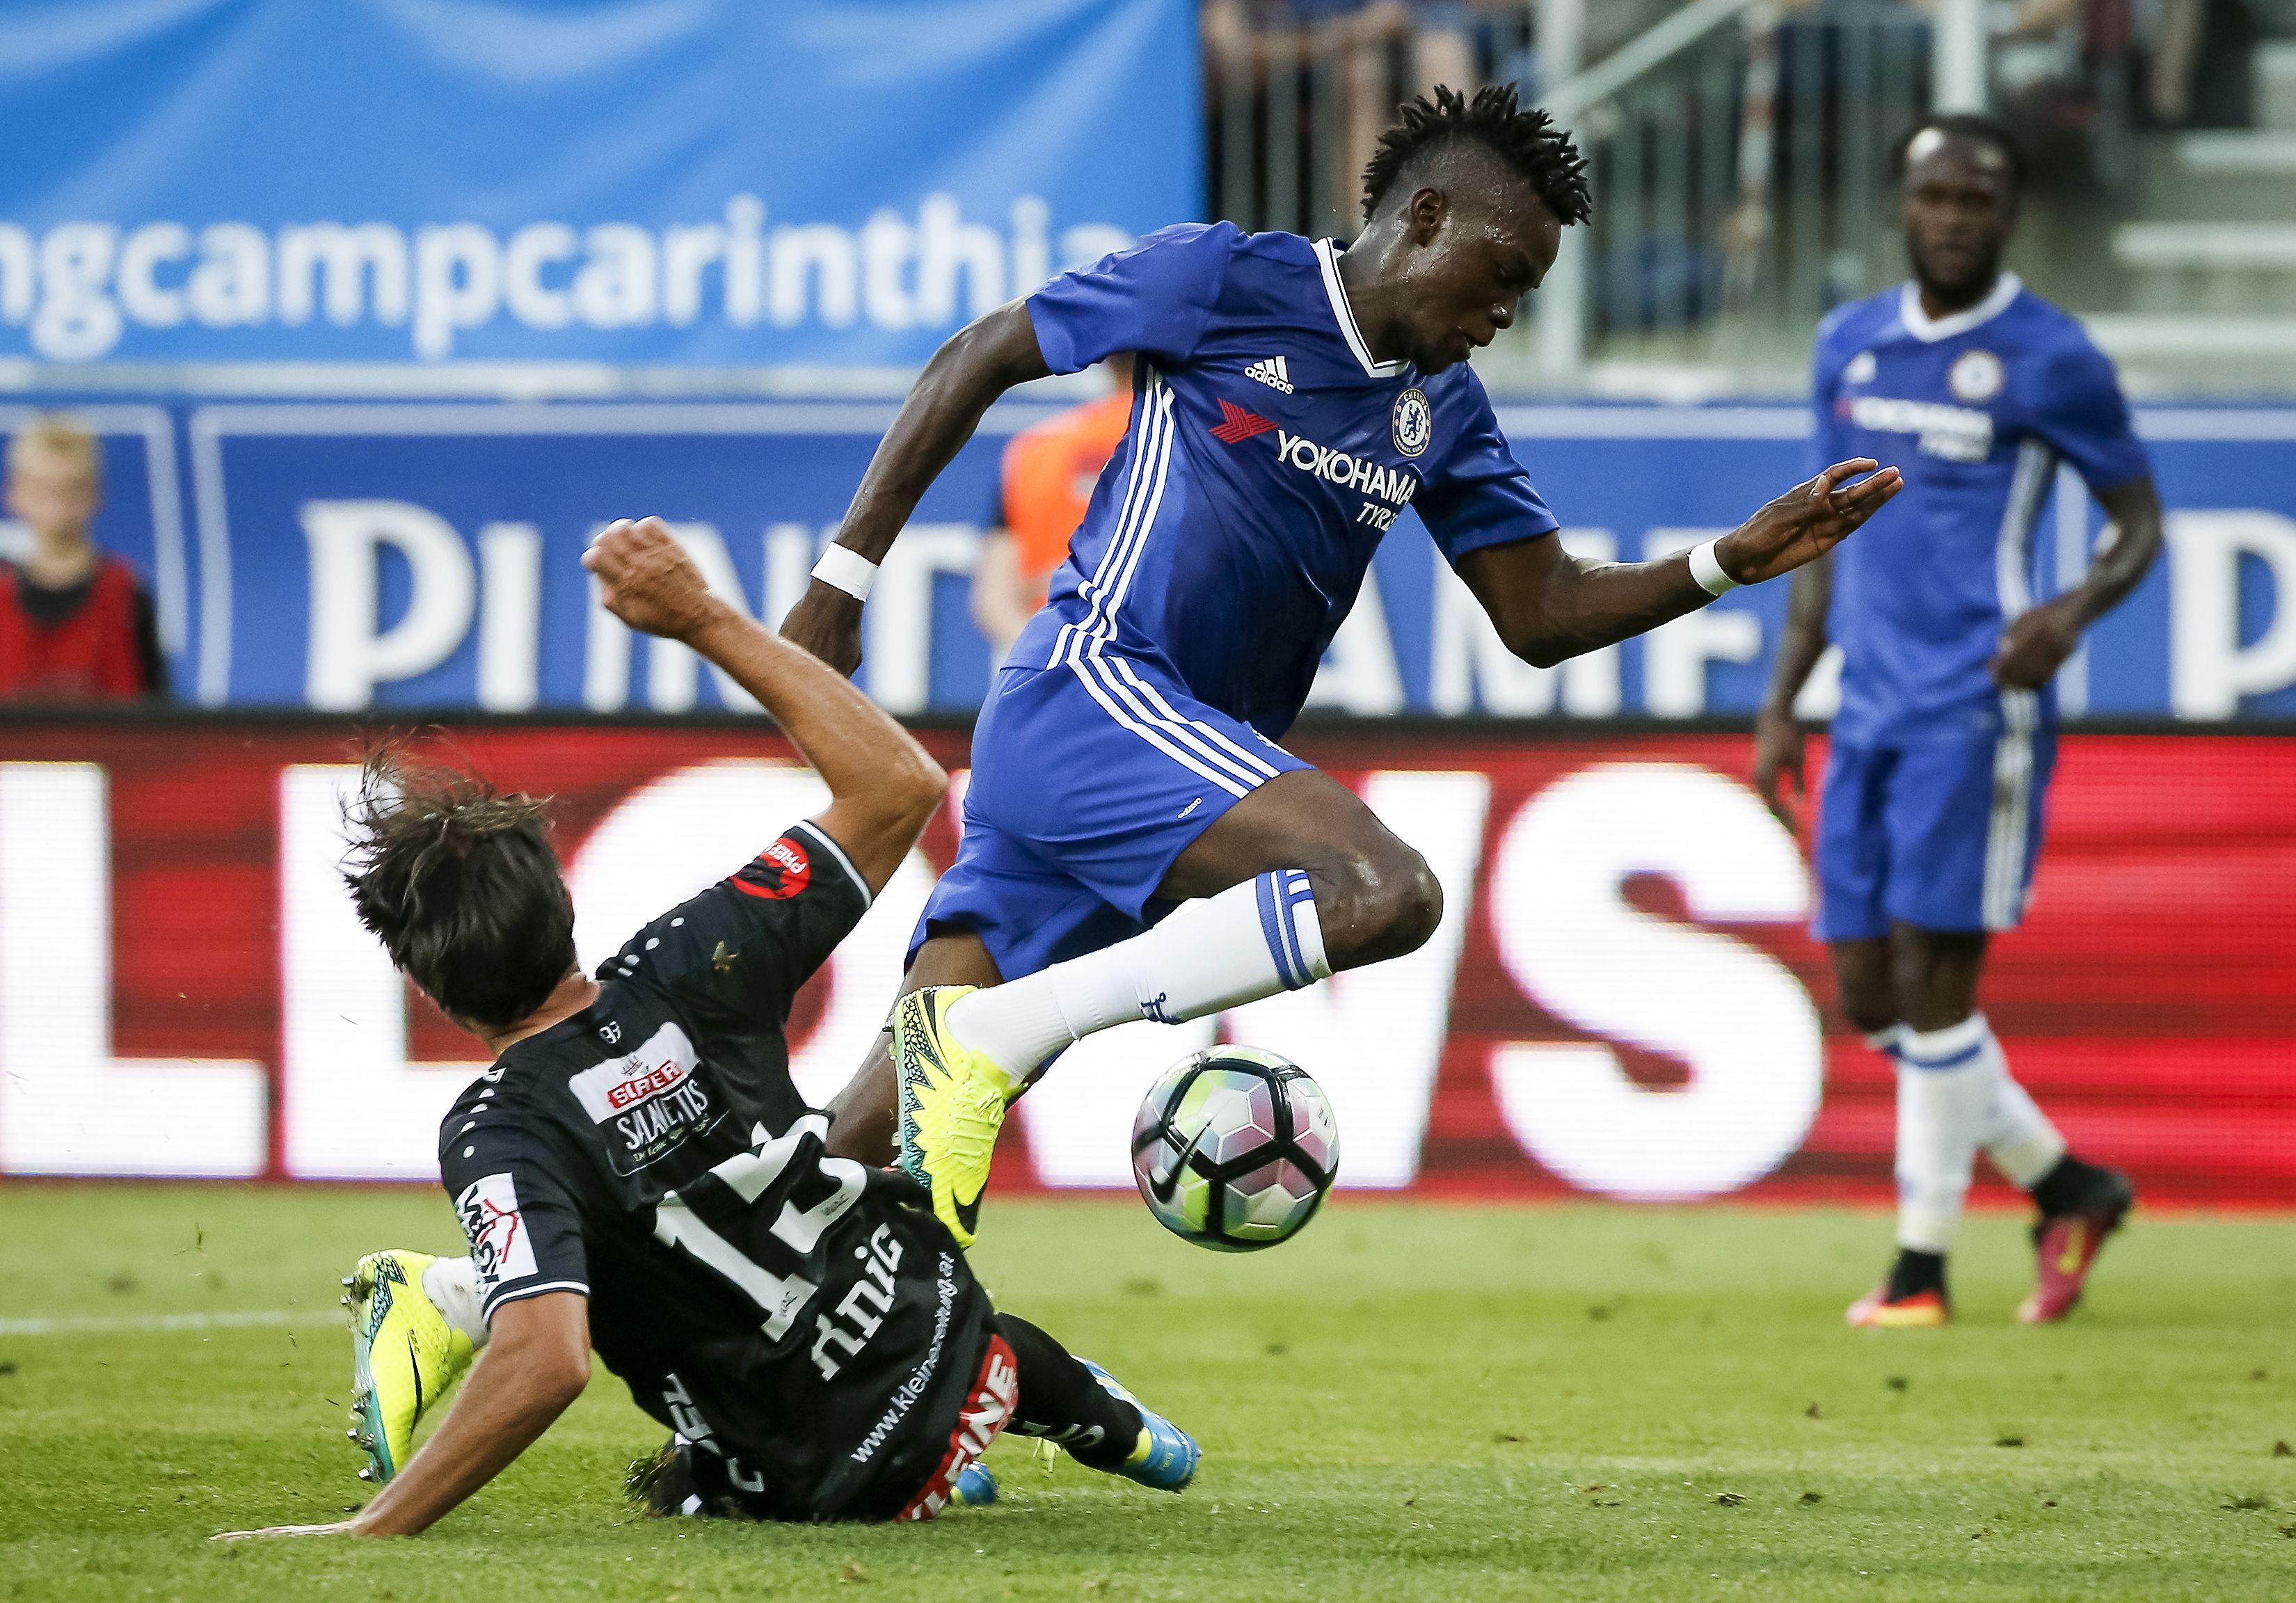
pixel 1078 806
pixel 1939 830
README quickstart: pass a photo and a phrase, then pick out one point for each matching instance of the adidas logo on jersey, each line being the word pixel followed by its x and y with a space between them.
pixel 1271 372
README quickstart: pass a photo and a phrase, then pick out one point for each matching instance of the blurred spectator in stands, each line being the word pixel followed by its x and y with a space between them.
pixel 75 622
pixel 2199 72
pixel 1046 483
pixel 1363 43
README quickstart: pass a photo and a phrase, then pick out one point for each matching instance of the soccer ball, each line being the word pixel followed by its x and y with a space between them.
pixel 1235 1148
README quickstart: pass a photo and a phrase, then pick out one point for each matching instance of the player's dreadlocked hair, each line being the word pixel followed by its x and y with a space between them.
pixel 461 885
pixel 1527 140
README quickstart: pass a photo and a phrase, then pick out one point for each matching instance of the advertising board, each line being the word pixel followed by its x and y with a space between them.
pixel 347 556
pixel 654 183
pixel 1622 999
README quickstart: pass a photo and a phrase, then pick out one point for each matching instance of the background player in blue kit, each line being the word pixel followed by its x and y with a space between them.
pixel 1941 751
pixel 1291 400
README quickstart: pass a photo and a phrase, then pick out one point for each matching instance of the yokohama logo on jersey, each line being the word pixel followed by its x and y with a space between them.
pixel 1390 484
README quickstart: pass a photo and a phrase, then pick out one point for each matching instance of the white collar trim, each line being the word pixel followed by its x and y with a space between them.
pixel 1344 315
pixel 1930 330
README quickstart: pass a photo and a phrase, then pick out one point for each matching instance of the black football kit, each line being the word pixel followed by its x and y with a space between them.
pixel 803 1323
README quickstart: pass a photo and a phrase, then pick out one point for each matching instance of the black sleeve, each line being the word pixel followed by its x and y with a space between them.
pixel 746 944
pixel 147 647
pixel 511 1191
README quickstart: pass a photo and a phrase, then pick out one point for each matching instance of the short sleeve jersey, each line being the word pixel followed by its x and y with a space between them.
pixel 1268 453
pixel 801 1317
pixel 1977 409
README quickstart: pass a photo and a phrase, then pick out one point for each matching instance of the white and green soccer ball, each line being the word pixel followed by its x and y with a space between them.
pixel 1235 1148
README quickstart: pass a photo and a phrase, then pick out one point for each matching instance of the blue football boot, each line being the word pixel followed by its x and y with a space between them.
pixel 974 1486
pixel 1166 1457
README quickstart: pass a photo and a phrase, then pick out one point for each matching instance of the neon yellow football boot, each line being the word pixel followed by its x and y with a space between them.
pixel 405 1357
pixel 951 1102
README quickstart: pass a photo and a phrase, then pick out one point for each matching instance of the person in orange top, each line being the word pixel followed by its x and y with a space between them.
pixel 1049 472
pixel 76 624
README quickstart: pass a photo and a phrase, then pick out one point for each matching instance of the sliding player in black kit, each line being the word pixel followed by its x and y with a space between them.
pixel 637 1174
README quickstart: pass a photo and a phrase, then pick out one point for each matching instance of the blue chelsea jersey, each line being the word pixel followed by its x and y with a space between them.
pixel 1977 409
pixel 1268 453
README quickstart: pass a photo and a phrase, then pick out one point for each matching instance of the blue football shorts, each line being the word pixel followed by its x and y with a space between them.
pixel 1089 780
pixel 1939 831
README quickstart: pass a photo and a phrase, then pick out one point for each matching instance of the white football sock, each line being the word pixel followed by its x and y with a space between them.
pixel 1250 941
pixel 1944 1096
pixel 2016 1135
pixel 452 1285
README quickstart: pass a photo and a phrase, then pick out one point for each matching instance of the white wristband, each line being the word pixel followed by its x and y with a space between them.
pixel 1706 569
pixel 848 569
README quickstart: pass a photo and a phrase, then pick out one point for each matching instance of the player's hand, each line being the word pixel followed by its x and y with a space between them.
pixel 2034 646
pixel 1777 757
pixel 1807 521
pixel 647 580
pixel 341 1527
pixel 827 623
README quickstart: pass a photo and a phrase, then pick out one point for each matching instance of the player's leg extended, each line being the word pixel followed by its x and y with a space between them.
pixel 416 1323
pixel 1076 1404
pixel 865 1116
pixel 1294 883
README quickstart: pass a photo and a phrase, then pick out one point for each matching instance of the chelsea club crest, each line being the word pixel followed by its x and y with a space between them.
pixel 1414 420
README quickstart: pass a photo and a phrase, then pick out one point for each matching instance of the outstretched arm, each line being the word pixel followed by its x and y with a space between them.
pixel 534 1366
pixel 1549 605
pixel 980 361
pixel 2038 641
pixel 1778 735
pixel 882 786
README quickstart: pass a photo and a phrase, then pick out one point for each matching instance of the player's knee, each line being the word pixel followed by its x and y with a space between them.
pixel 1870 1011
pixel 1382 906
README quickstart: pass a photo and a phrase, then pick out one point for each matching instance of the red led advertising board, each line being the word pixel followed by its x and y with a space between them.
pixel 1623 999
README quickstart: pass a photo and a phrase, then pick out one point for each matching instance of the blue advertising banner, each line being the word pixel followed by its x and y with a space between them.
pixel 631 182
pixel 428 556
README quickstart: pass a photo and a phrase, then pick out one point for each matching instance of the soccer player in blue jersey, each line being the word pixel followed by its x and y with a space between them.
pixel 1941 751
pixel 1291 400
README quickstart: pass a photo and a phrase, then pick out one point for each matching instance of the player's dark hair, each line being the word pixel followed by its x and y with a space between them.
pixel 1525 139
pixel 461 885
pixel 1961 125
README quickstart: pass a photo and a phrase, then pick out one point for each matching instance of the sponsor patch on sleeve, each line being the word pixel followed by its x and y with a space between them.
pixel 499 1243
pixel 782 870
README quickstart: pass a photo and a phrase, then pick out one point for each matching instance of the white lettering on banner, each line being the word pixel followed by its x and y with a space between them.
pixel 1372 1037
pixel 1358 673
pixel 353 1108
pixel 2210 670
pixel 1676 653
pixel 1735 1015
pixel 510 617
pixel 346 260
pixel 1468 660
pixel 141 295
pixel 897 664
pixel 66 1105
pixel 1821 693
pixel 349 653
pixel 691 827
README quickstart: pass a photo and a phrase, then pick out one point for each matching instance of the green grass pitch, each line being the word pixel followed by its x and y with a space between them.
pixel 1407 1402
